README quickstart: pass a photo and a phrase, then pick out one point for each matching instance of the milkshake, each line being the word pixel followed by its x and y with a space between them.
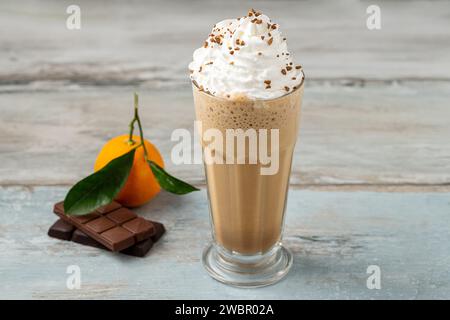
pixel 244 78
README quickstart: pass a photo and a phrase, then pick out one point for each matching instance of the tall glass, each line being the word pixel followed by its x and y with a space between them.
pixel 247 207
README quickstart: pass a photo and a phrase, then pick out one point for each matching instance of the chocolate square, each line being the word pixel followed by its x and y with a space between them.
pixel 119 238
pixel 109 207
pixel 100 224
pixel 86 218
pixel 141 228
pixel 58 207
pixel 121 215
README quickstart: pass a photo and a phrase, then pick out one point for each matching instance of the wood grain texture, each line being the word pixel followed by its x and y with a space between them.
pixel 371 171
pixel 151 42
pixel 369 134
pixel 334 236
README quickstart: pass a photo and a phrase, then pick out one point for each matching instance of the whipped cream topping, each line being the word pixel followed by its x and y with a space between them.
pixel 247 56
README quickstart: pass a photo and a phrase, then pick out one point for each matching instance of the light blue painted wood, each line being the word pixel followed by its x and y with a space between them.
pixel 335 230
pixel 334 235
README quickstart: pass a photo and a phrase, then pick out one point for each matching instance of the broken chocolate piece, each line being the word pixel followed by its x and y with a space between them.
pixel 61 230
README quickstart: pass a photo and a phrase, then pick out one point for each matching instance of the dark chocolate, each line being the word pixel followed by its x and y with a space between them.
pixel 159 231
pixel 140 249
pixel 113 229
pixel 61 230
pixel 141 228
pixel 65 231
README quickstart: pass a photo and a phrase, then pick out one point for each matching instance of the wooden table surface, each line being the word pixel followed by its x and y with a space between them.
pixel 371 176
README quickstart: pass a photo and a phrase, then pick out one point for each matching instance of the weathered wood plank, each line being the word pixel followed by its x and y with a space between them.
pixel 333 235
pixel 361 130
pixel 373 134
pixel 151 42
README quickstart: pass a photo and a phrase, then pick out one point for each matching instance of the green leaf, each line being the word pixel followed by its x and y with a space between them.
pixel 100 188
pixel 170 183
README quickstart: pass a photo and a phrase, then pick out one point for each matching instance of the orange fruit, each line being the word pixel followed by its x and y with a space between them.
pixel 141 185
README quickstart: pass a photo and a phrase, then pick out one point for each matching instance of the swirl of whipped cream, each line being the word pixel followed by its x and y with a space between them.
pixel 248 57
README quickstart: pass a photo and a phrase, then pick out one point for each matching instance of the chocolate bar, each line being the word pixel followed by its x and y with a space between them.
pixel 113 225
pixel 65 231
pixel 61 230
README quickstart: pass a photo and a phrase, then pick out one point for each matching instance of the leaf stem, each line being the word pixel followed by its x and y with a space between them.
pixel 131 125
pixel 138 120
pixel 130 138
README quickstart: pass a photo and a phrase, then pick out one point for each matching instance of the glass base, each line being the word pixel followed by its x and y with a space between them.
pixel 247 270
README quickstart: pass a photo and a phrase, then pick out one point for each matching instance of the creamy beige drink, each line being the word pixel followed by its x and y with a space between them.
pixel 247 207
pixel 244 78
